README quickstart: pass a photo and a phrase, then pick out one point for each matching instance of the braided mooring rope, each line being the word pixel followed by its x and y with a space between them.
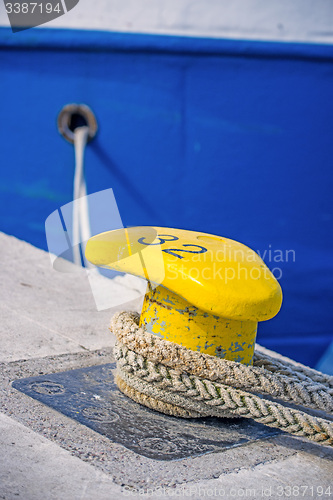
pixel 177 381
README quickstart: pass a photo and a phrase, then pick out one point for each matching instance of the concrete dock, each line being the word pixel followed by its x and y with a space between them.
pixel 50 325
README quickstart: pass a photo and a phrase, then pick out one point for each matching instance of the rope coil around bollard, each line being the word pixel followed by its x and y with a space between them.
pixel 177 381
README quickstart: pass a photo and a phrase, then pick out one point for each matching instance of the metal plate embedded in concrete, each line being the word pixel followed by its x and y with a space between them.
pixel 90 396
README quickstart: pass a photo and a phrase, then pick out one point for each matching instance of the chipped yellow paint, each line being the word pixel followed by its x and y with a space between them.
pixel 171 317
pixel 217 289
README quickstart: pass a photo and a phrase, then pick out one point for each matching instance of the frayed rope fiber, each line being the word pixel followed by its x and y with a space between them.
pixel 177 381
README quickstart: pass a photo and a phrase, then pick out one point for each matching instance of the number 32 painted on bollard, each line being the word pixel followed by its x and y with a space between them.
pixel 172 251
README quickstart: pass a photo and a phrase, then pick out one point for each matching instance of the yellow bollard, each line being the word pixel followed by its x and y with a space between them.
pixel 204 292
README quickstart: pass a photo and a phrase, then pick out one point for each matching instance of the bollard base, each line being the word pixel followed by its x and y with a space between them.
pixel 91 397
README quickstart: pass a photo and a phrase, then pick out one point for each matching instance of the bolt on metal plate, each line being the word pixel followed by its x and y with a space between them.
pixel 91 397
